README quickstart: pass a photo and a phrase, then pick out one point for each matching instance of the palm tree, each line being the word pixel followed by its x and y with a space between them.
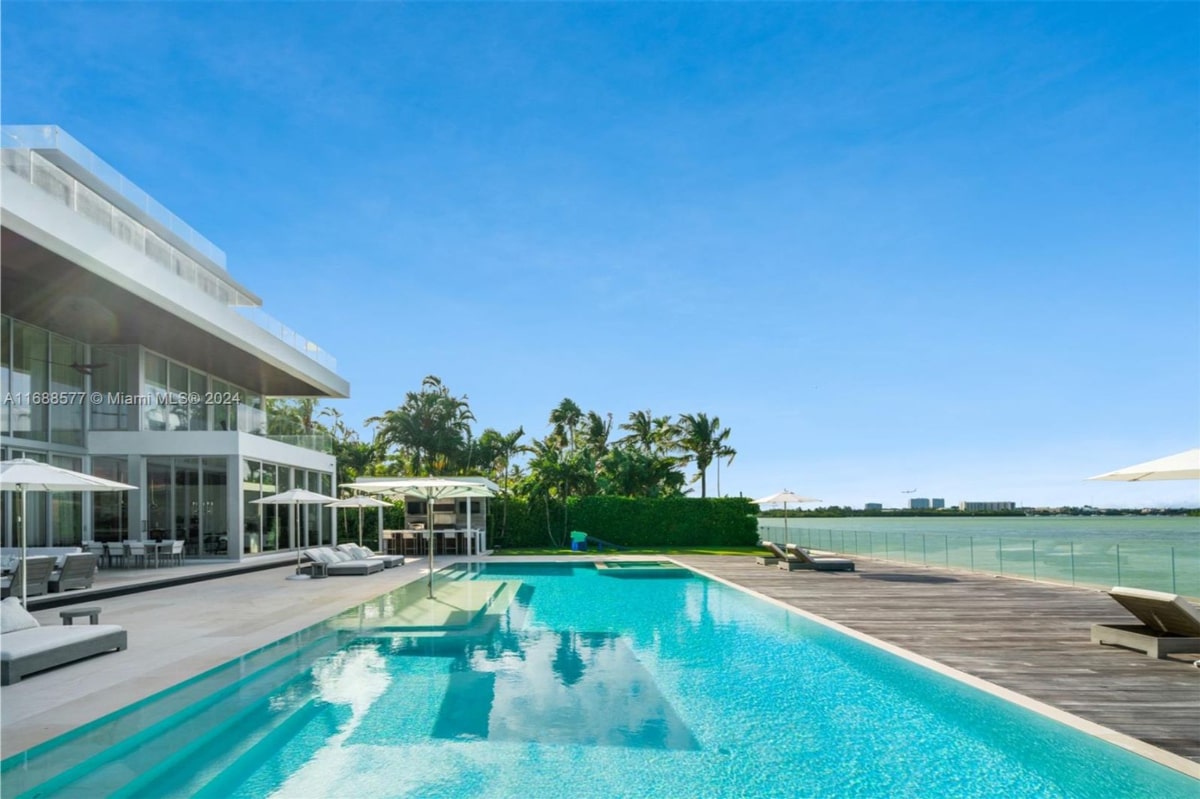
pixel 565 419
pixel 594 433
pixel 499 449
pixel 703 439
pixel 647 432
pixel 432 428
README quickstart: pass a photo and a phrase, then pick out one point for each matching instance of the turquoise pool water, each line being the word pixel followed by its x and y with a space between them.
pixel 586 685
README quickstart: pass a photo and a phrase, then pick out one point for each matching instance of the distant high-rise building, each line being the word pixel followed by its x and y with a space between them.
pixel 918 503
pixel 987 506
pixel 938 503
pixel 873 506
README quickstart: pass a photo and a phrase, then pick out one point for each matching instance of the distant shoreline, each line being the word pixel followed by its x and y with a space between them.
pixel 954 513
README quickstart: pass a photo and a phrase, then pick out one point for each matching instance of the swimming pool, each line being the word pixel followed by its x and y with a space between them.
pixel 557 679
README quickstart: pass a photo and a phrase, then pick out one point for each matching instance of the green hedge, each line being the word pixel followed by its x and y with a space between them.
pixel 678 522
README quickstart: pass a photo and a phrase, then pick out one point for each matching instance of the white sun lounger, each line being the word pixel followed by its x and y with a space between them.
pixel 26 646
pixel 798 559
pixel 1169 624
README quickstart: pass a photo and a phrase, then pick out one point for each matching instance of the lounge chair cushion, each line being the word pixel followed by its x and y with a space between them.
pixel 1160 611
pixel 364 553
pixel 23 643
pixel 13 617
pixel 318 556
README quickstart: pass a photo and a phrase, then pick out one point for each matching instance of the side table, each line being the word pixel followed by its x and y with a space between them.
pixel 69 616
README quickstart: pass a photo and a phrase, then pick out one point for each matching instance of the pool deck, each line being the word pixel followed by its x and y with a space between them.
pixel 1030 638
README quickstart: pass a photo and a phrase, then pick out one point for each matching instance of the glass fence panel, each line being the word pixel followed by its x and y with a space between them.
pixel 1102 563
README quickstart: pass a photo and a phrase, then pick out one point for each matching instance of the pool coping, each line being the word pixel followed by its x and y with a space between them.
pixel 1107 734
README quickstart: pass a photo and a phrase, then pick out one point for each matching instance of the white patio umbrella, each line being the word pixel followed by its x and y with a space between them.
pixel 360 501
pixel 784 497
pixel 1181 466
pixel 295 498
pixel 428 489
pixel 23 475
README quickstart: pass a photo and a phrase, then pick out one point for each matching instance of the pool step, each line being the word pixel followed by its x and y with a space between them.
pixel 225 781
pixel 131 745
pixel 456 606
pixel 261 731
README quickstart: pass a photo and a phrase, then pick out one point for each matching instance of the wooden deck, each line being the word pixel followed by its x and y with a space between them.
pixel 1029 637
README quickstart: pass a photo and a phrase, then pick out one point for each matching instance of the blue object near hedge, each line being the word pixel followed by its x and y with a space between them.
pixel 578 541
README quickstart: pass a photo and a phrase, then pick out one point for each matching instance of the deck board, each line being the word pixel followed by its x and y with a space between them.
pixel 1032 638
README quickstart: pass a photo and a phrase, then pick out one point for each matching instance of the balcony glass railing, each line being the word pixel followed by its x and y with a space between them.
pixel 288 336
pixel 1157 566
pixel 319 442
pixel 251 420
pixel 51 137
pixel 254 421
pixel 18 144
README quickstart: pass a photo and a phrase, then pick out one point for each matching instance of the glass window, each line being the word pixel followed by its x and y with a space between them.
pixel 66 509
pixel 214 507
pixel 198 411
pixel 66 377
pixel 154 413
pixel 221 413
pixel 158 498
pixel 187 502
pixel 178 388
pixel 110 509
pixel 30 372
pixel 109 377
pixel 270 513
pixel 327 513
pixel 252 516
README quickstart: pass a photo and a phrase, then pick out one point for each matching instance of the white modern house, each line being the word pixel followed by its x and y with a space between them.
pixel 129 351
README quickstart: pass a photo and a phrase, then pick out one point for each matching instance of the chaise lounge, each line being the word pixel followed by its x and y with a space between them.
pixel 1169 624
pixel 27 647
pixel 339 564
pixel 796 558
pixel 363 553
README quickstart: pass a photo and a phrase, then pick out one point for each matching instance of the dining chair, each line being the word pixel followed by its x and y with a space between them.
pixel 135 551
pixel 97 549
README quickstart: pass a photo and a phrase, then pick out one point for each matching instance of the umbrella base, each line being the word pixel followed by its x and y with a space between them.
pixel 298 577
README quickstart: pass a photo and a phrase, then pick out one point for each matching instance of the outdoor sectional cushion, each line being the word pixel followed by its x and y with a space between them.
pixel 59 553
pixel 363 553
pixel 13 617
pixel 355 567
pixel 340 564
pixel 25 649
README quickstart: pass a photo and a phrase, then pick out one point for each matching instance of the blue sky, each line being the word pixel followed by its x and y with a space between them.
pixel 951 248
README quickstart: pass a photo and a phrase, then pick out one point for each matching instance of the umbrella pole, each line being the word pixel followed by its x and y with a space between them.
pixel 360 526
pixel 24 543
pixel 786 538
pixel 295 537
pixel 429 531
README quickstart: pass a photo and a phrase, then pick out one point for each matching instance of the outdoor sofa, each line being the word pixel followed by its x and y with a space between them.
pixel 340 564
pixel 36 580
pixel 364 553
pixel 77 571
pixel 26 646
pixel 1169 624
